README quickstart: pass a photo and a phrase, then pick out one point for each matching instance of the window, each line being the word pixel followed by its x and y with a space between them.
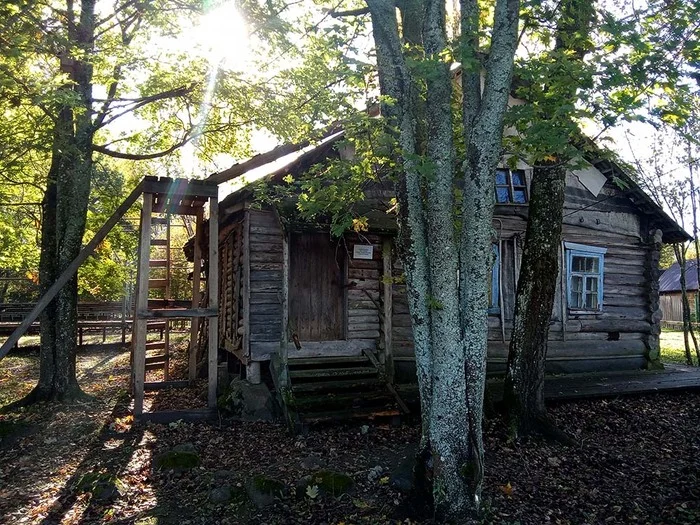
pixel 584 270
pixel 494 306
pixel 511 187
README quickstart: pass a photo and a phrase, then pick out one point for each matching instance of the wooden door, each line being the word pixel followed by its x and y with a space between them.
pixel 316 288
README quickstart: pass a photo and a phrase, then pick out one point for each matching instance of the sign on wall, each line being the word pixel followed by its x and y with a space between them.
pixel 363 251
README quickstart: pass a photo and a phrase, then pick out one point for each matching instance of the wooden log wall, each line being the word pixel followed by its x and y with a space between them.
pixel 364 297
pixel 618 337
pixel 265 262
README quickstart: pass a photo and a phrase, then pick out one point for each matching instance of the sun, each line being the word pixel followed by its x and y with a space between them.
pixel 222 35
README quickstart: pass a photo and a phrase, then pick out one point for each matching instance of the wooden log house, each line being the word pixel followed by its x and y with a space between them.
pixel 324 312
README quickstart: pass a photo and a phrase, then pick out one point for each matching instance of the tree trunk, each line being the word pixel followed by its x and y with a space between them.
pixel 687 325
pixel 524 384
pixel 64 215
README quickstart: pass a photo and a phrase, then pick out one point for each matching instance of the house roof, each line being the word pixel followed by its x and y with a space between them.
pixel 305 158
pixel 670 280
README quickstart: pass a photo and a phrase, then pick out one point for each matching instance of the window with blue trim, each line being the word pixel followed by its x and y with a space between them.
pixel 494 305
pixel 511 186
pixel 584 270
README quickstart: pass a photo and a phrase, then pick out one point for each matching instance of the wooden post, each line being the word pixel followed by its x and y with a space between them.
pixel 283 358
pixel 252 372
pixel 388 309
pixel 196 293
pixel 213 285
pixel 166 344
pixel 140 328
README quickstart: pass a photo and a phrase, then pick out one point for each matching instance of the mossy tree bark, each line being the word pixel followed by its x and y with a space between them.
pixel 64 215
pixel 524 384
pixel 450 342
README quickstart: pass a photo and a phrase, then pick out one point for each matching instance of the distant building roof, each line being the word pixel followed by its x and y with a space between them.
pixel 670 280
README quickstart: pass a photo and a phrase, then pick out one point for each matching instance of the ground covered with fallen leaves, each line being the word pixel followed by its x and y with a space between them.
pixel 637 460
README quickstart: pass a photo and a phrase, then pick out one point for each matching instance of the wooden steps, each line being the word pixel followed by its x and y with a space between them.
pixel 336 388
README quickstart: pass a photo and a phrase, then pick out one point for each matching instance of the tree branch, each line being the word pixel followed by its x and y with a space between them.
pixel 173 93
pixel 351 12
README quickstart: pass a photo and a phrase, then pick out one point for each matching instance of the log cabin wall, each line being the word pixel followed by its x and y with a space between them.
pixel 620 336
pixel 265 276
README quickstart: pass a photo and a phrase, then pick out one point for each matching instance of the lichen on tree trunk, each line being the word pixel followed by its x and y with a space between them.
pixel 420 117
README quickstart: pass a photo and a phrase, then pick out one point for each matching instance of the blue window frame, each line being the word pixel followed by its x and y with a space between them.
pixel 584 276
pixel 494 305
pixel 511 186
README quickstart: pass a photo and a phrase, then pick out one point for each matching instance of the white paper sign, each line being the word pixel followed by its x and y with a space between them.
pixel 363 251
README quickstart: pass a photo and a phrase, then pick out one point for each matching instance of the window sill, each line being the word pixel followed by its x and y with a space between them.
pixel 572 311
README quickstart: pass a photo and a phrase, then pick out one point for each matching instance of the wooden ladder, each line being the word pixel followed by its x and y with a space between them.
pixel 168 197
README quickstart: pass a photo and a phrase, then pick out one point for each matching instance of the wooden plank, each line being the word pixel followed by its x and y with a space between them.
pixel 68 273
pixel 388 311
pixel 283 372
pixel 176 313
pixel 140 325
pixel 245 284
pixel 255 162
pixel 171 416
pixel 155 284
pixel 196 292
pixel 262 350
pixel 176 189
pixel 158 263
pixel 213 286
pixel 164 385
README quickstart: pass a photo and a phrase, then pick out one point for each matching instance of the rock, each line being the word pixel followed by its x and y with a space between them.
pixel 219 495
pixel 311 463
pixel 375 473
pixel 554 461
pixel 262 490
pixel 328 482
pixel 247 401
pixel 102 486
pixel 401 478
pixel 224 474
pixel 180 458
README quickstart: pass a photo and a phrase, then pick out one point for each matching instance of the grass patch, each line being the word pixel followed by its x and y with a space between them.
pixel 673 347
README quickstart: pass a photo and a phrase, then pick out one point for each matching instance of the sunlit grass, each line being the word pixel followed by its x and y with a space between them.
pixel 673 347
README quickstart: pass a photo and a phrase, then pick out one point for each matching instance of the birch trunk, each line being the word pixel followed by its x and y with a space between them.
pixel 448 413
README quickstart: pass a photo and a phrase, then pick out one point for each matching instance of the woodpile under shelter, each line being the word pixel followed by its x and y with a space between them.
pixel 319 312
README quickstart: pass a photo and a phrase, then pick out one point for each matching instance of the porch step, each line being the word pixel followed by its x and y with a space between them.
pixel 338 386
pixel 323 361
pixel 332 372
pixel 356 399
pixel 344 415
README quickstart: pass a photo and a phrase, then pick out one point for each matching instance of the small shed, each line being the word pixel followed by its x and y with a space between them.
pixel 670 292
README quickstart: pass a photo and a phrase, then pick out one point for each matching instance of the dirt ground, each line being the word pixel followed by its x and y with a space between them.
pixel 637 460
